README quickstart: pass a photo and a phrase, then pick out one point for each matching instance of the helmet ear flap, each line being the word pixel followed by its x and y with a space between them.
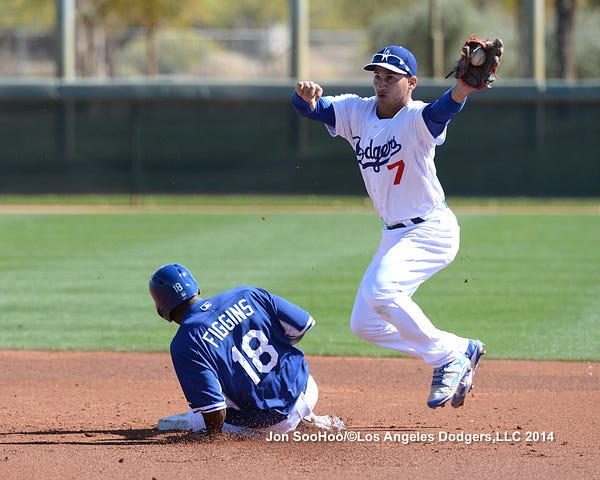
pixel 170 286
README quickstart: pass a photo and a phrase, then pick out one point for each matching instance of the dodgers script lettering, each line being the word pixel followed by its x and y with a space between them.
pixel 379 154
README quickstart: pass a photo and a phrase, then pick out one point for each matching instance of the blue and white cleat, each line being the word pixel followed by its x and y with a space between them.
pixel 324 422
pixel 446 381
pixel 474 352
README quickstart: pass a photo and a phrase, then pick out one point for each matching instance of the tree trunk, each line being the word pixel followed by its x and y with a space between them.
pixel 109 54
pixel 151 61
pixel 565 21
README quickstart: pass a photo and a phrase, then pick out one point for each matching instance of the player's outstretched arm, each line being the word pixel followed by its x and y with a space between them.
pixel 309 102
pixel 461 91
pixel 310 92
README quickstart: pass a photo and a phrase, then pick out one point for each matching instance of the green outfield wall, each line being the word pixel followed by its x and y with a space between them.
pixel 172 136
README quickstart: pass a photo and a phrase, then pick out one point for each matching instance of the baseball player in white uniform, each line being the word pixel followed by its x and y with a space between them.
pixel 394 139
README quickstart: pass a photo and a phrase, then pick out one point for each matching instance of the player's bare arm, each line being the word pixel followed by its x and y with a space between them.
pixel 214 421
pixel 461 90
pixel 310 92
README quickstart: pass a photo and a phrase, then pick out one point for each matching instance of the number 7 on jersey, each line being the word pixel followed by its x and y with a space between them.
pixel 400 166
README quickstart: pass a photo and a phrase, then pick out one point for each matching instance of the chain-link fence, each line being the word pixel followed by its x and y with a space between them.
pixel 104 49
pixel 242 53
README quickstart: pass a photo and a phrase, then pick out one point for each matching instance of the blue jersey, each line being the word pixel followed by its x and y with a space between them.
pixel 233 351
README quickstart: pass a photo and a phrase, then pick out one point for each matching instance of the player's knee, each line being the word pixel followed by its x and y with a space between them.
pixel 362 331
pixel 361 322
pixel 356 326
pixel 376 299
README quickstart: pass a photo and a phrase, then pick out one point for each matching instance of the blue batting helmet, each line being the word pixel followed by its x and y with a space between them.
pixel 170 286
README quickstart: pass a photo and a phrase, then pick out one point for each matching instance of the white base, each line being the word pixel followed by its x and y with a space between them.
pixel 179 422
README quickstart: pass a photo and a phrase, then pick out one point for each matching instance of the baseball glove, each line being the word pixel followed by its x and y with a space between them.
pixel 478 62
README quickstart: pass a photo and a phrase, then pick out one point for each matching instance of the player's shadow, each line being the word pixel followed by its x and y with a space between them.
pixel 140 436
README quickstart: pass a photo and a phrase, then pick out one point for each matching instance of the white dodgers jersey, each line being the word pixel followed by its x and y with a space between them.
pixel 395 155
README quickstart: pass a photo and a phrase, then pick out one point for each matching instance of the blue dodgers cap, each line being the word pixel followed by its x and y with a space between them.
pixel 394 58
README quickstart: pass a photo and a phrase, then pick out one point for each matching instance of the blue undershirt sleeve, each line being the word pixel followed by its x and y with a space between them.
pixel 323 112
pixel 437 115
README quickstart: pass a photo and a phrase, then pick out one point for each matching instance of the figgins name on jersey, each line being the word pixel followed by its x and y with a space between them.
pixel 227 321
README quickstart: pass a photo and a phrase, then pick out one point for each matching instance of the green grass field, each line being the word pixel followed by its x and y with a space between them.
pixel 525 281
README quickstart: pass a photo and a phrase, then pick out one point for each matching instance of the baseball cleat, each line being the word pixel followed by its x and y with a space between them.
pixel 474 352
pixel 446 381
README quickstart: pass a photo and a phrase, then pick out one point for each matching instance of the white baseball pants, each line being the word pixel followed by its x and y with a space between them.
pixel 384 313
pixel 303 407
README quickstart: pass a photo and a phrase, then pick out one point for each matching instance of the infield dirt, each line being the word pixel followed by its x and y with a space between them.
pixel 92 415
